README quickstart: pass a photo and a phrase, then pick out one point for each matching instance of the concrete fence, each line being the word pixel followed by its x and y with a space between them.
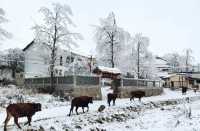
pixel 90 86
pixel 151 87
pixel 68 85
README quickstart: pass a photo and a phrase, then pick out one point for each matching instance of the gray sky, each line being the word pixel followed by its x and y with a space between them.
pixel 171 25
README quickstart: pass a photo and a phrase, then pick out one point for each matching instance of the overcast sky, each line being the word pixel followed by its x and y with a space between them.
pixel 171 25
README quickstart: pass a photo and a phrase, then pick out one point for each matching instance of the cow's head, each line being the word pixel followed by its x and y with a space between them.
pixel 37 107
pixel 90 100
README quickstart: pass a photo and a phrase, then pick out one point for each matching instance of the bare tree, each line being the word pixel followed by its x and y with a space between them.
pixel 110 40
pixel 55 31
pixel 142 44
pixel 3 33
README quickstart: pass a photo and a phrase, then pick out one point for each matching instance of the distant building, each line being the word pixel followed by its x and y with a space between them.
pixel 37 59
pixel 177 80
pixel 107 72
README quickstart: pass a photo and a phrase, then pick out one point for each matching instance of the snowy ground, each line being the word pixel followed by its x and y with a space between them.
pixel 166 112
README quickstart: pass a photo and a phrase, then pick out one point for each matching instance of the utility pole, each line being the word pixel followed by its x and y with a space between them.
pixel 138 60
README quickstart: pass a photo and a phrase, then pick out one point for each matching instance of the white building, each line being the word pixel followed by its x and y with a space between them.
pixel 37 59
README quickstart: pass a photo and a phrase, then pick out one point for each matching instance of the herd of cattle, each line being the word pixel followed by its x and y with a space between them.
pixel 29 109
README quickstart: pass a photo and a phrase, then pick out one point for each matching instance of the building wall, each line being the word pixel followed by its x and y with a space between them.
pixel 36 64
pixel 37 59
pixel 177 81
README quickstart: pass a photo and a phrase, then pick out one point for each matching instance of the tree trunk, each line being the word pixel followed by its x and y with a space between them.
pixel 138 60
pixel 53 58
pixel 112 51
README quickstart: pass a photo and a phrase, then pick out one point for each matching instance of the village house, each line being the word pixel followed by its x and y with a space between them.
pixel 37 59
pixel 177 80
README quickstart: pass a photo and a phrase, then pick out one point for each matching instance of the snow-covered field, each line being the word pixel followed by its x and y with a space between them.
pixel 167 112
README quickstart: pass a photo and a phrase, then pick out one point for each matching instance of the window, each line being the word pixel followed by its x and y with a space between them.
pixel 69 59
pixel 61 61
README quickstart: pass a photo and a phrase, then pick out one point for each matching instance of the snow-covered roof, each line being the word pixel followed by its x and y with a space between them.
pixel 169 75
pixel 110 70
pixel 75 51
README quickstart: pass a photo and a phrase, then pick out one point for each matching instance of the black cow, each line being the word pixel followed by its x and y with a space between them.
pixel 111 97
pixel 81 101
pixel 137 94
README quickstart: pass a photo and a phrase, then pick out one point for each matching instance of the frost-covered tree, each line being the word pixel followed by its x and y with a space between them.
pixel 110 41
pixel 55 31
pixel 15 60
pixel 180 62
pixel 3 33
pixel 128 59
pixel 142 53
pixel 188 59
pixel 173 59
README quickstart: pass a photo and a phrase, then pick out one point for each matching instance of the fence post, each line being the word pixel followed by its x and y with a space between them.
pixel 74 80
pixel 122 84
pixel 100 82
pixel 31 83
pixel 57 83
pixel 154 83
pixel 43 82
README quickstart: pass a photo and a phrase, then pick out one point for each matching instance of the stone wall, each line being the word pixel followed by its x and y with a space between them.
pixel 93 91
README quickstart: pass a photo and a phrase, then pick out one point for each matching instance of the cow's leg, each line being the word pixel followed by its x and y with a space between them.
pixel 83 109
pixel 16 122
pixel 87 108
pixel 113 102
pixel 109 102
pixel 7 120
pixel 132 98
pixel 140 99
pixel 29 120
pixel 71 110
pixel 77 110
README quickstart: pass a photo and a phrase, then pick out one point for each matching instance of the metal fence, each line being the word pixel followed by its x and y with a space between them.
pixel 66 82
pixel 140 82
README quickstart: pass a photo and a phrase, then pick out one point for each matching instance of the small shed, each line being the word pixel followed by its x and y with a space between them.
pixel 176 80
pixel 107 72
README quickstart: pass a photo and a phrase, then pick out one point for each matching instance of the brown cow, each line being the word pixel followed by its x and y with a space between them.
pixel 21 110
pixel 138 94
pixel 111 97
pixel 81 101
